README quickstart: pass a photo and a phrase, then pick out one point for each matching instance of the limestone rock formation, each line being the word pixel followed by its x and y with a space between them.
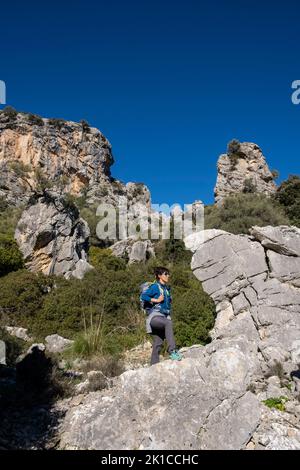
pixel 21 333
pixel 133 250
pixel 57 344
pixel 247 165
pixel 74 157
pixel 213 398
pixel 53 238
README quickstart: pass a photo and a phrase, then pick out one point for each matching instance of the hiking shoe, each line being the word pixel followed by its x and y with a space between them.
pixel 175 356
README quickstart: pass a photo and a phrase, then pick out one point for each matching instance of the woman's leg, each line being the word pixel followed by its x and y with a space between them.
pixel 170 335
pixel 163 328
pixel 158 341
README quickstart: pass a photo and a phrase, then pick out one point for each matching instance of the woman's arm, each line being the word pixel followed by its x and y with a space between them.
pixel 149 293
pixel 152 294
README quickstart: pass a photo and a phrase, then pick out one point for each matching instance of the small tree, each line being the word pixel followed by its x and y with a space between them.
pixel 233 150
pixel 233 147
pixel 42 182
pixel 85 125
pixel 35 119
pixel 10 112
pixel 249 186
pixel 11 259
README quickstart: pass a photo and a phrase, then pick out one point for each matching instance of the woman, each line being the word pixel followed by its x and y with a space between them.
pixel 158 308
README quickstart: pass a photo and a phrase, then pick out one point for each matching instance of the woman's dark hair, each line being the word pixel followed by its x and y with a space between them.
pixel 160 270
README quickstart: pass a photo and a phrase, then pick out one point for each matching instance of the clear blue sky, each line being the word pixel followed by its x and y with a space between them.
pixel 169 83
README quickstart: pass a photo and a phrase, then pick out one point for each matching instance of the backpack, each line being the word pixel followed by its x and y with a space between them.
pixel 143 287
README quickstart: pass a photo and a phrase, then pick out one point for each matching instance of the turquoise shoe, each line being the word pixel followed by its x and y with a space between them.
pixel 175 356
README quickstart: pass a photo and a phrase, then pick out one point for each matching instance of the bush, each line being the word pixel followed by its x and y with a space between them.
pixel 288 196
pixel 35 120
pixel 249 186
pixel 239 212
pixel 193 312
pixel 10 112
pixel 42 182
pixel 9 217
pixel 276 402
pixel 11 259
pixel 233 152
pixel 57 123
pixel 233 147
pixel 99 257
pixel 85 125
pixel 69 201
pixel 19 168
pixel 22 296
pixel 88 213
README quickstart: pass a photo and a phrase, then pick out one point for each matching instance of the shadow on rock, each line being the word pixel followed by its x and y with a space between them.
pixel 27 394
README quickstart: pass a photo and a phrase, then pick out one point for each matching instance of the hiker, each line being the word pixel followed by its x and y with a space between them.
pixel 157 304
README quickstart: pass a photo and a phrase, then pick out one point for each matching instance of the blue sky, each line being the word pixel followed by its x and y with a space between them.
pixel 168 83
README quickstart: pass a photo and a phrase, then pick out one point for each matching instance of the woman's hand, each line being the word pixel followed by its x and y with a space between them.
pixel 157 301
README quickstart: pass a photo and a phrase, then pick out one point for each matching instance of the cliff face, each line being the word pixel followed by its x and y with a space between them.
pixel 248 163
pixel 53 238
pixel 72 156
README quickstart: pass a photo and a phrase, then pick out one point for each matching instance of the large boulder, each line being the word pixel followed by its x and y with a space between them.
pixel 169 406
pixel 57 344
pixel 253 281
pixel 52 237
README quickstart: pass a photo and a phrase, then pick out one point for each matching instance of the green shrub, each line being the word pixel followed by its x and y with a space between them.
pixel 69 201
pixel 288 195
pixel 57 123
pixel 85 125
pixel 11 259
pixel 3 204
pixel 19 168
pixel 22 296
pixel 239 212
pixel 193 312
pixel 276 402
pixel 9 217
pixel 249 186
pixel 233 147
pixel 233 152
pixel 10 112
pixel 35 120
pixel 99 257
pixel 88 213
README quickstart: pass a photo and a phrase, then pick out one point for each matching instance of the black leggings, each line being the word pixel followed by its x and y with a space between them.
pixel 162 328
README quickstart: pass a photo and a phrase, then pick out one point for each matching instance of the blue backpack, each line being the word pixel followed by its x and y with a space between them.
pixel 144 303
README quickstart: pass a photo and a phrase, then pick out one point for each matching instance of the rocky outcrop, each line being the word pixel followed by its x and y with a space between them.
pixel 57 344
pixel 253 281
pixel 21 333
pixel 242 169
pixel 73 157
pixel 132 250
pixel 53 238
pixel 214 398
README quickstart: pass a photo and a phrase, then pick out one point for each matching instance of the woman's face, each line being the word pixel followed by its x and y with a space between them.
pixel 164 277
